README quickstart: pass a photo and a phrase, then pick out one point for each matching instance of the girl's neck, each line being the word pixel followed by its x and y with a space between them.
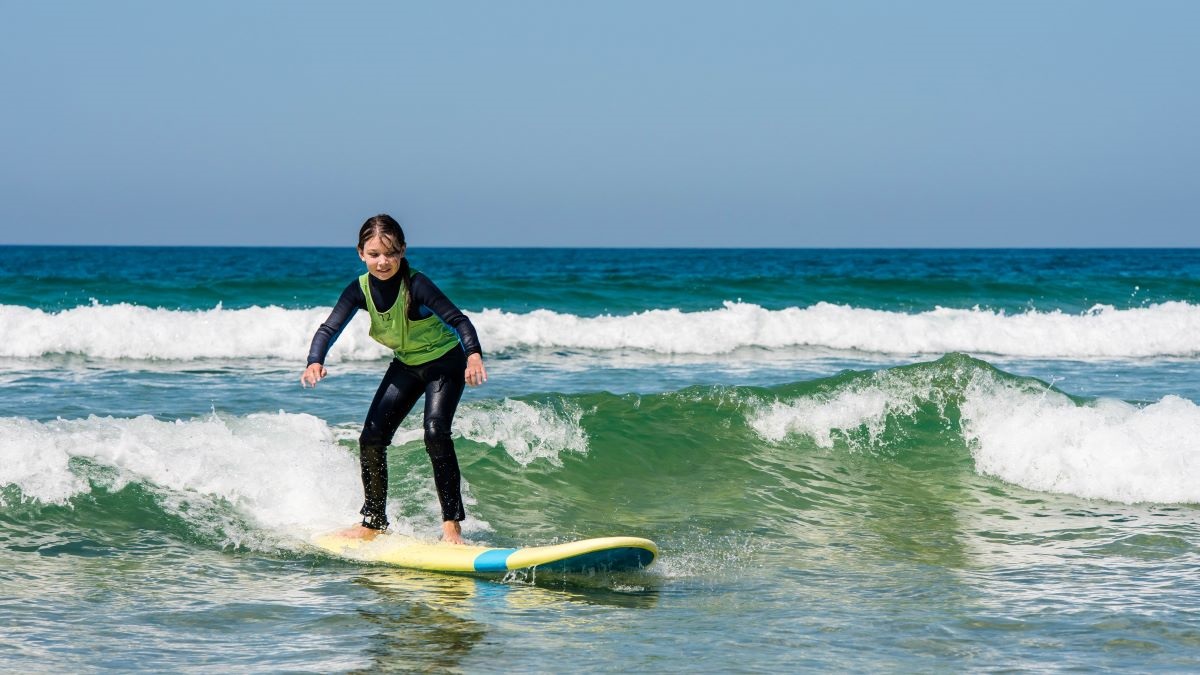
pixel 395 279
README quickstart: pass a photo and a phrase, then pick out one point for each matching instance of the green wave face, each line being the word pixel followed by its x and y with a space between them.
pixel 742 458
pixel 945 463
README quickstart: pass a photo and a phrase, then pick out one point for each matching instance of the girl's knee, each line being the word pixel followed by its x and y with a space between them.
pixel 438 441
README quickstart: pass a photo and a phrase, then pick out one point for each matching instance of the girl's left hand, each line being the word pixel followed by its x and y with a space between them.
pixel 476 374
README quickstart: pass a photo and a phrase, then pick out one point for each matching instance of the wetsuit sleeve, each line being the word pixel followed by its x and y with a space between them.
pixel 426 294
pixel 350 302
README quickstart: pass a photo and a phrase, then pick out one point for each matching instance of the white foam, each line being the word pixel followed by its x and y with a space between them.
pixel 861 405
pixel 525 431
pixel 134 332
pixel 127 331
pixel 1168 329
pixel 284 473
pixel 1017 431
pixel 281 472
pixel 1106 449
pixel 823 420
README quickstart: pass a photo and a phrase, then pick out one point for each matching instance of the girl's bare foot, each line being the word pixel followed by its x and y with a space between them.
pixel 452 532
pixel 359 532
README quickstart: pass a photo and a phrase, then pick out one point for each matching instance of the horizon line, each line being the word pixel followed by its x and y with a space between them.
pixel 1018 247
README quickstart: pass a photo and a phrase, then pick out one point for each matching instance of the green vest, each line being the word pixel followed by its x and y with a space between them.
pixel 414 342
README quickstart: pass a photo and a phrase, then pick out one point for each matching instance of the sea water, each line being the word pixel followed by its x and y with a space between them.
pixel 933 460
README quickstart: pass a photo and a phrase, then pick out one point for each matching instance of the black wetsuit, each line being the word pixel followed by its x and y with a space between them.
pixel 441 381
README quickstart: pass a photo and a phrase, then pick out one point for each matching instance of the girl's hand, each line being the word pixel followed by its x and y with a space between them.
pixel 313 374
pixel 476 374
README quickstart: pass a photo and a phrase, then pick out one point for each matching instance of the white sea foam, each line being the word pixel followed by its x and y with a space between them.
pixel 134 332
pixel 864 405
pixel 1107 449
pixel 127 331
pixel 823 420
pixel 524 431
pixel 1168 329
pixel 1018 432
pixel 281 472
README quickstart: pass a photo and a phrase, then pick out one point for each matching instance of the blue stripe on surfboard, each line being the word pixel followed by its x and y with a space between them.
pixel 495 560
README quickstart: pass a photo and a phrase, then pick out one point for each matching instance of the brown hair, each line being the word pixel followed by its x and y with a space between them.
pixel 392 235
pixel 383 226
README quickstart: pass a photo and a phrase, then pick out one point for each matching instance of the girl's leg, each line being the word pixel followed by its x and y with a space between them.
pixel 444 387
pixel 396 396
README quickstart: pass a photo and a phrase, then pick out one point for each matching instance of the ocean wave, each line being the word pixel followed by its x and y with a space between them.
pixel 1168 329
pixel 1019 430
pixel 1104 449
pixel 126 331
pixel 738 451
pixel 526 431
pixel 283 472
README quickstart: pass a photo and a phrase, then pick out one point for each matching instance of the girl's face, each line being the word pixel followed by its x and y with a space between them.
pixel 382 261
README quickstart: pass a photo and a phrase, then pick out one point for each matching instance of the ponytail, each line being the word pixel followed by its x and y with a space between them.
pixel 406 284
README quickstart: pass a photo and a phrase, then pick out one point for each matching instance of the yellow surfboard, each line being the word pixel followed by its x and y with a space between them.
pixel 605 554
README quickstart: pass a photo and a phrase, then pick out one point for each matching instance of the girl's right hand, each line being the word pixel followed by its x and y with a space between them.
pixel 314 373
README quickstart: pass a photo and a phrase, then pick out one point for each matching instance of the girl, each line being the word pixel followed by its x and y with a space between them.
pixel 436 352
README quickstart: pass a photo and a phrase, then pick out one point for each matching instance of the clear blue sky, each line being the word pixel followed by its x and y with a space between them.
pixel 648 123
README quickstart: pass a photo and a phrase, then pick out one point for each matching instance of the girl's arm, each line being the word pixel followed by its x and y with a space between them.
pixel 350 302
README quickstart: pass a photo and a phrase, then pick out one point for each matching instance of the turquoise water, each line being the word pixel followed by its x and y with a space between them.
pixel 852 460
